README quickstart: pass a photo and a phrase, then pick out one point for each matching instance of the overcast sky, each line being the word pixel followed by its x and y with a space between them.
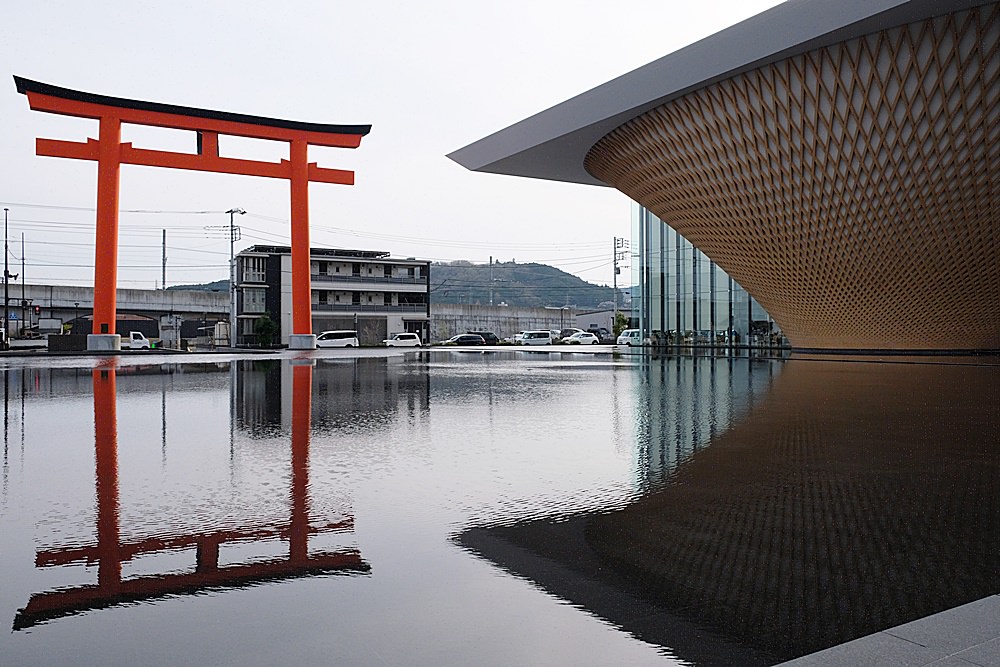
pixel 430 77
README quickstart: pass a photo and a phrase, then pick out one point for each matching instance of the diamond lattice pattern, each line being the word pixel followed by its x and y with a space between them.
pixel 854 190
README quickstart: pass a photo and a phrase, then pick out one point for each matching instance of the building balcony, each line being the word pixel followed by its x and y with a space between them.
pixel 368 308
pixel 350 278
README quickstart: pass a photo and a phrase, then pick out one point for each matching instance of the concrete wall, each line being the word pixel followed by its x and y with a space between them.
pixel 598 318
pixel 450 319
pixel 57 300
pixel 446 319
pixel 61 303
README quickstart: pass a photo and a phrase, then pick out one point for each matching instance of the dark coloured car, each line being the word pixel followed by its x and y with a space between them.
pixel 465 339
pixel 603 335
pixel 488 336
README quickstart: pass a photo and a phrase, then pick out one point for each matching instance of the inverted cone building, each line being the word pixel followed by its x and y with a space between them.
pixel 841 161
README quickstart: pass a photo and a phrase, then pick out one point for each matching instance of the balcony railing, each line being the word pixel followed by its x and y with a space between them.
pixel 369 308
pixel 348 278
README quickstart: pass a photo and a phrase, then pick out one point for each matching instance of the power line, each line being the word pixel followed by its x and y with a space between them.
pixel 124 210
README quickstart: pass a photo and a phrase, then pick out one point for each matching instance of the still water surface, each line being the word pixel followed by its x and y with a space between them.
pixel 491 509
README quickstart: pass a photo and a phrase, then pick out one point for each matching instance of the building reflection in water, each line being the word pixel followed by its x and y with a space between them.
pixel 685 402
pixel 852 498
pixel 111 551
pixel 347 394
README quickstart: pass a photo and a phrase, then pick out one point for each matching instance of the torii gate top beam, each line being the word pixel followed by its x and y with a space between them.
pixel 55 99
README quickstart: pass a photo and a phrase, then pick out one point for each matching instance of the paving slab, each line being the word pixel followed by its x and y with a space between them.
pixel 965 636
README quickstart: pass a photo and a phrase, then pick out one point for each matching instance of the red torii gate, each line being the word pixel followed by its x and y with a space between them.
pixel 110 153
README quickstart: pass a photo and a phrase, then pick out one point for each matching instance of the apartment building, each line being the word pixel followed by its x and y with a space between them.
pixel 364 290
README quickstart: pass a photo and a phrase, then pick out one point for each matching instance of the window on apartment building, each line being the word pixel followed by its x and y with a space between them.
pixel 412 299
pixel 356 298
pixel 253 299
pixel 410 271
pixel 388 270
pixel 324 268
pixel 387 299
pixel 324 297
pixel 254 269
pixel 356 269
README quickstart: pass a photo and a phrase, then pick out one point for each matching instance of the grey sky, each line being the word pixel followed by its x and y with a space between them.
pixel 430 77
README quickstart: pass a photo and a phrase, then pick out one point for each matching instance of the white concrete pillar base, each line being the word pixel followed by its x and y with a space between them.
pixel 104 342
pixel 301 342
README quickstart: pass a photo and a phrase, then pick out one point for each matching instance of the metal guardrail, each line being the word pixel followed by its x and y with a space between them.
pixel 366 308
pixel 392 280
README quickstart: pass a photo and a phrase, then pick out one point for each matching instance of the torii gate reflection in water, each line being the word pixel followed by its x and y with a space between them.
pixel 110 552
pixel 110 154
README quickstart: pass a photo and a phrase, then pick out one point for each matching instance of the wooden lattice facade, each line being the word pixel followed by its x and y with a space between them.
pixel 853 189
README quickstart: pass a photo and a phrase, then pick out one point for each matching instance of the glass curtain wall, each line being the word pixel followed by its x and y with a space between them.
pixel 680 297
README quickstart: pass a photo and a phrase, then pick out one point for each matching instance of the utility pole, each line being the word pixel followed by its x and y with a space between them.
pixel 163 282
pixel 6 281
pixel 233 237
pixel 24 301
pixel 491 281
pixel 620 251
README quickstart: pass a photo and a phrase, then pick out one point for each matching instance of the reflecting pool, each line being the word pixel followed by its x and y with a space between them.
pixel 506 508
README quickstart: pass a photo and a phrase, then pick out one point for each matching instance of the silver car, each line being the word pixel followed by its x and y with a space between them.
pixel 537 338
pixel 403 340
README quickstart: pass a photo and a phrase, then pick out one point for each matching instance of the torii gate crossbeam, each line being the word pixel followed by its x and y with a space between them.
pixel 110 153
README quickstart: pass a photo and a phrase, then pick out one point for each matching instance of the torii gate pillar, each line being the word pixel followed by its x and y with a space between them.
pixel 103 337
pixel 110 154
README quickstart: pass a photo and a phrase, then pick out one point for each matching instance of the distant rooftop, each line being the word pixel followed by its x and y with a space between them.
pixel 317 252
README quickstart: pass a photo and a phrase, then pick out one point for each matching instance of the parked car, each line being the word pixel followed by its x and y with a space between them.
pixel 516 338
pixel 537 338
pixel 602 334
pixel 137 341
pixel 403 340
pixel 465 339
pixel 629 337
pixel 344 338
pixel 581 338
pixel 567 332
pixel 488 336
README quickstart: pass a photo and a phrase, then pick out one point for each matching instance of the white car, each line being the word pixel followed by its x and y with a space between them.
pixel 403 340
pixel 581 338
pixel 629 337
pixel 338 339
pixel 561 335
pixel 537 338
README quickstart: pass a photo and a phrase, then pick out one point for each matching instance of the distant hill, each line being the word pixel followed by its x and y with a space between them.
pixel 217 286
pixel 526 285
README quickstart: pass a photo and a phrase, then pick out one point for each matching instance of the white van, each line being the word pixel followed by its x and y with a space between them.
pixel 629 337
pixel 536 338
pixel 346 338
pixel 136 341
